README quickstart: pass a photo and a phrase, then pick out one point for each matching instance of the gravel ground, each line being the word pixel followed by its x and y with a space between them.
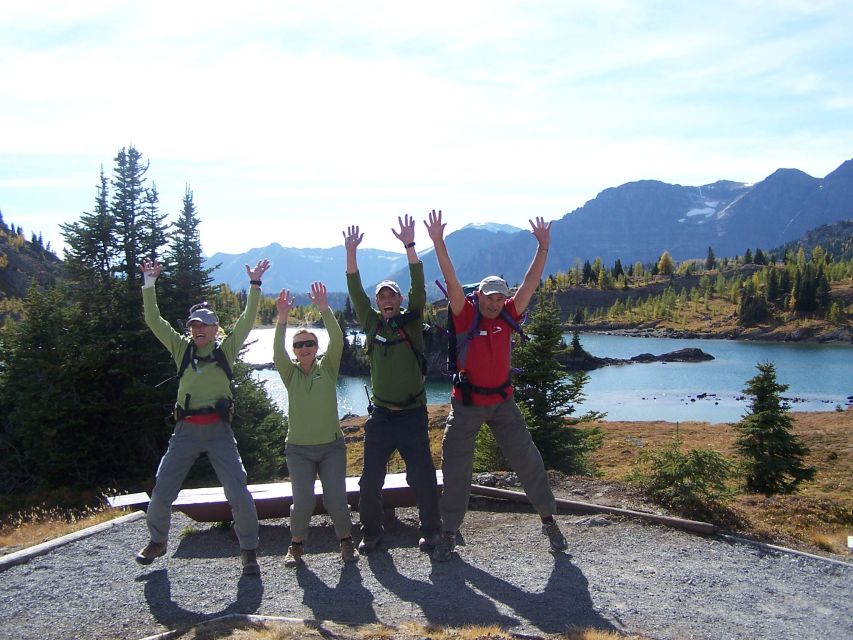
pixel 620 575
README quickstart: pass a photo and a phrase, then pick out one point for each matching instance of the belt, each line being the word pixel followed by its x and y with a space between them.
pixel 203 418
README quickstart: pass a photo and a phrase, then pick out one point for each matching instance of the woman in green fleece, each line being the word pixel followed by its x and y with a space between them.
pixel 315 443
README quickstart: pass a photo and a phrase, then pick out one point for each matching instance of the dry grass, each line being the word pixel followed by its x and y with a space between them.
pixel 280 630
pixel 35 525
pixel 819 516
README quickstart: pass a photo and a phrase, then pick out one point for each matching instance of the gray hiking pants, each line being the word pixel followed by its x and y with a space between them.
pixel 187 443
pixel 510 431
pixel 329 462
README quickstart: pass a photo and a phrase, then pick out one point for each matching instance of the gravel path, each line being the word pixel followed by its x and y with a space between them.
pixel 619 575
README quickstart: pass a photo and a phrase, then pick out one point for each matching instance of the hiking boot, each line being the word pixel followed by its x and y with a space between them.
pixel 294 555
pixel 444 549
pixel 428 542
pixel 555 536
pixel 152 551
pixel 348 551
pixel 369 543
pixel 250 562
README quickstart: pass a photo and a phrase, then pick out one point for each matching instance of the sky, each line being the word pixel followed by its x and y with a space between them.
pixel 291 121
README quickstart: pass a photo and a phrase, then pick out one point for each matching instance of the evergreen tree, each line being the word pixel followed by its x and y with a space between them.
pixel 127 208
pixel 92 251
pixel 187 281
pixel 774 457
pixel 710 260
pixel 152 225
pixel 547 395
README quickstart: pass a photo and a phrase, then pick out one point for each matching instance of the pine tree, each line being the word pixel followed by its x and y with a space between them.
pixel 774 457
pixel 710 260
pixel 547 395
pixel 152 225
pixel 187 281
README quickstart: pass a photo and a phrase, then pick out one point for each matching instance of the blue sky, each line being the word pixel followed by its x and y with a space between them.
pixel 292 120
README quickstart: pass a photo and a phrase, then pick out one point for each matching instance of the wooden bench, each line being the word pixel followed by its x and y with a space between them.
pixel 271 500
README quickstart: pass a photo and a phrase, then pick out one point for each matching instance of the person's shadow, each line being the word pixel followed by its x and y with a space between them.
pixel 564 603
pixel 348 602
pixel 449 601
pixel 213 543
pixel 158 595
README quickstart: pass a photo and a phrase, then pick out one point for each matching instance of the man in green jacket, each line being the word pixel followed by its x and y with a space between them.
pixel 203 416
pixel 397 372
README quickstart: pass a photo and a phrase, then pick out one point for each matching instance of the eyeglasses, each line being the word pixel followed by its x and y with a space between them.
pixel 305 343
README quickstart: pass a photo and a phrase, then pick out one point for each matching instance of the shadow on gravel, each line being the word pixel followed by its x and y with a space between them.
pixel 446 601
pixel 158 595
pixel 564 603
pixel 461 594
pixel 349 602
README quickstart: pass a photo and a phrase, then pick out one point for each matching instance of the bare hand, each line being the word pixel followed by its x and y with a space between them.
pixel 407 229
pixel 435 227
pixel 542 232
pixel 318 295
pixel 352 238
pixel 284 303
pixel 259 270
pixel 151 268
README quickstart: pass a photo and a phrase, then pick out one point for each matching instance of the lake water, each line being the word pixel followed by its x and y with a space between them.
pixel 820 377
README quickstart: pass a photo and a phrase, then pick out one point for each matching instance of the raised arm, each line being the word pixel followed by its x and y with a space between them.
pixel 283 304
pixel 406 235
pixel 455 293
pixel 352 238
pixel 335 349
pixel 525 292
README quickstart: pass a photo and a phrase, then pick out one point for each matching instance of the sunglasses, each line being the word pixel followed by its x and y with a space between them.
pixel 305 343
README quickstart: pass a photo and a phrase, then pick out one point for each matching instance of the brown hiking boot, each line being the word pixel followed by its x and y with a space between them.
pixel 250 562
pixel 151 552
pixel 348 550
pixel 294 555
pixel 555 537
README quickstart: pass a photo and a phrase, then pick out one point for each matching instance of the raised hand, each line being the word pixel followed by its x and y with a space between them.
pixel 259 270
pixel 435 227
pixel 150 268
pixel 284 303
pixel 352 237
pixel 542 231
pixel 406 234
pixel 318 295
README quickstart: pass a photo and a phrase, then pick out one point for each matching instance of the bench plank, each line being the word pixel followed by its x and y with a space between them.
pixel 272 500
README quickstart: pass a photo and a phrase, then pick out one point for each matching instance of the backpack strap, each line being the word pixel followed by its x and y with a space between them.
pixel 218 356
pixel 458 343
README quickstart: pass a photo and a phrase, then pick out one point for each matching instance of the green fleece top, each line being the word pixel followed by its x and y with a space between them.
pixel 312 398
pixel 395 372
pixel 207 383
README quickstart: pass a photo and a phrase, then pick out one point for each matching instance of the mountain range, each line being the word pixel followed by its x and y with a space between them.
pixel 635 221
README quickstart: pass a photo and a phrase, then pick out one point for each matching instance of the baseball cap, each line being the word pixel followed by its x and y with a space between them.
pixel 389 284
pixel 205 316
pixel 493 284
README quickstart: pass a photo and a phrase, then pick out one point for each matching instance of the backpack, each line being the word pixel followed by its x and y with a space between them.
pixel 396 323
pixel 457 344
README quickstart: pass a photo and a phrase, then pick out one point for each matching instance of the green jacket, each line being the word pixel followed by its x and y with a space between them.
pixel 207 383
pixel 395 371
pixel 312 398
